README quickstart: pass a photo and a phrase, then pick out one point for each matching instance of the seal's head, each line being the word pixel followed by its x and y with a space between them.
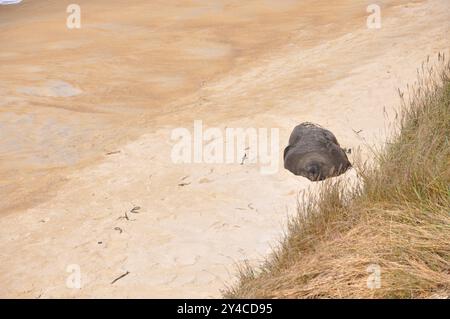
pixel 316 166
pixel 314 152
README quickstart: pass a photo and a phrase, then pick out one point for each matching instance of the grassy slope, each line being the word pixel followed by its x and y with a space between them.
pixel 399 218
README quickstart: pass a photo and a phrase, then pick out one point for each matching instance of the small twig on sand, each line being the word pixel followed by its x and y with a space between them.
pixel 184 184
pixel 119 230
pixel 125 216
pixel 135 210
pixel 120 277
pixel 244 158
pixel 114 152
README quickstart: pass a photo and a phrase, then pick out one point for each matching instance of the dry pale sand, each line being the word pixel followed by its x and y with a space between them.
pixel 134 72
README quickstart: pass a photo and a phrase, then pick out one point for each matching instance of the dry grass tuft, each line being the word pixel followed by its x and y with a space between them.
pixel 398 218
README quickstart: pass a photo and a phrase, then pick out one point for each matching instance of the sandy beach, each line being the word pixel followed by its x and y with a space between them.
pixel 86 117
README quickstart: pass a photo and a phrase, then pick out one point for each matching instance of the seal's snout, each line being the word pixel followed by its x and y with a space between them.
pixel 313 172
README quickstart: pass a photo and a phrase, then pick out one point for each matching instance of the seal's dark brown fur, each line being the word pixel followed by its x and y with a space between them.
pixel 314 152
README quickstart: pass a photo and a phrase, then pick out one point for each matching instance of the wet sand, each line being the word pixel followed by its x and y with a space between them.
pixel 126 79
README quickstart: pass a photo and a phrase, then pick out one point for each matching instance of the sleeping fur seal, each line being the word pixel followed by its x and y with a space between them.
pixel 314 152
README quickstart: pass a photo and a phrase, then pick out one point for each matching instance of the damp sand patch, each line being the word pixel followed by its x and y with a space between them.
pixel 210 51
pixel 67 45
pixel 54 88
pixel 6 2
